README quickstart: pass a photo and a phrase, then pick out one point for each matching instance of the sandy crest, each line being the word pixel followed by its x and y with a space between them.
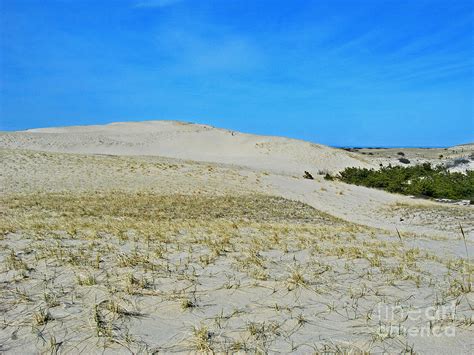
pixel 186 141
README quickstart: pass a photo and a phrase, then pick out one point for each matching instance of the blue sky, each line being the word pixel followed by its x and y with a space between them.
pixel 345 73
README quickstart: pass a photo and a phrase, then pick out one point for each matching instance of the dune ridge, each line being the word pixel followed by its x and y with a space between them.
pixel 186 141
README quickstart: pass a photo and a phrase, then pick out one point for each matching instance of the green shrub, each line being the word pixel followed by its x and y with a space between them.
pixel 328 177
pixel 419 180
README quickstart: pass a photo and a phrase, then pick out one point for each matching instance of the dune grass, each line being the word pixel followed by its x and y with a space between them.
pixel 252 273
pixel 119 212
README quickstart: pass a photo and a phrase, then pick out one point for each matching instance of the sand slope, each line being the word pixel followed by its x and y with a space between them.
pixel 239 162
pixel 186 141
pixel 168 237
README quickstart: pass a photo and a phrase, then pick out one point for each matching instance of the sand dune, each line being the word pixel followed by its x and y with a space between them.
pixel 170 237
pixel 277 164
pixel 186 141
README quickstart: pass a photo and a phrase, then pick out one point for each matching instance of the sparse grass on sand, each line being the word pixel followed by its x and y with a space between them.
pixel 142 272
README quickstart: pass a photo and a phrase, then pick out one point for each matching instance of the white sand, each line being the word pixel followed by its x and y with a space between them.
pixel 279 162
pixel 241 294
pixel 186 141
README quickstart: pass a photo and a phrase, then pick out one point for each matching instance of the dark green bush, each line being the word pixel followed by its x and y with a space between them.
pixel 419 180
pixel 307 175
pixel 328 177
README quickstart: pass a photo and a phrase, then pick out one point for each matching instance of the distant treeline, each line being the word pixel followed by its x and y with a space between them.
pixel 420 180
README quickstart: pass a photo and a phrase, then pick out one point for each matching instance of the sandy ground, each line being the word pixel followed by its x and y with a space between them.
pixel 238 253
pixel 186 141
pixel 435 156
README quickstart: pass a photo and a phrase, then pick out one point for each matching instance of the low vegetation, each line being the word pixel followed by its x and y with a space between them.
pixel 148 255
pixel 420 180
pixel 147 273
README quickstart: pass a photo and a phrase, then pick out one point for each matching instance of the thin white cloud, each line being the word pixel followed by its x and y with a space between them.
pixel 208 50
pixel 156 3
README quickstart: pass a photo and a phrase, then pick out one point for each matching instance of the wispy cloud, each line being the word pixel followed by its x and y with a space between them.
pixel 156 3
pixel 209 50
